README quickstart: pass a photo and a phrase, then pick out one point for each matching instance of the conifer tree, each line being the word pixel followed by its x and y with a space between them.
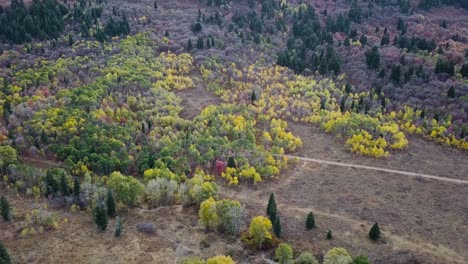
pixel 310 221
pixel 166 34
pixel 4 257
pixel 76 188
pixel 277 226
pixel 189 45
pixel 51 184
pixel 5 209
pixel 100 217
pixel 451 92
pixel 271 208
pixel 70 40
pixel 110 204
pixel 231 162
pixel 329 235
pixel 253 97
pixel 374 232
pixel 155 5
pixel 200 43
pixel 64 186
pixel 118 226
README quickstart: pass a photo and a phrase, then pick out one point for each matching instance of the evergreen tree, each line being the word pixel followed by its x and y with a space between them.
pixel 363 40
pixel 277 227
pixel 166 34
pixel 373 58
pixel 347 42
pixel 231 162
pixel 310 221
pixel 51 184
pixel 4 256
pixel 5 209
pixel 271 208
pixel 395 74
pixel 200 43
pixel 64 186
pixel 70 40
pixel 118 226
pixel 76 188
pixel 110 204
pixel 155 5
pixel 382 73
pixel 253 97
pixel 374 232
pixel 189 45
pixel 464 70
pixel 385 40
pixel 451 92
pixel 329 235
pixel 100 217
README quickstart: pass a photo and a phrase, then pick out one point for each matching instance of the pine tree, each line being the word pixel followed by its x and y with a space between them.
pixel 385 40
pixel 310 221
pixel 64 186
pixel 189 45
pixel 271 208
pixel 118 226
pixel 5 209
pixel 231 162
pixel 329 235
pixel 4 257
pixel 51 184
pixel 464 70
pixel 70 40
pixel 166 34
pixel 100 217
pixel 277 227
pixel 76 188
pixel 155 5
pixel 110 204
pixel 200 43
pixel 374 232
pixel 253 97
pixel 451 92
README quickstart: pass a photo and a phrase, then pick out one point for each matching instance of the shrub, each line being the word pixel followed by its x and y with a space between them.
pixel 337 256
pixel 306 258
pixel 259 230
pixel 5 209
pixel 146 227
pixel 374 232
pixel 361 259
pixel 220 260
pixel 118 226
pixel 225 215
pixel 284 254
pixel 310 221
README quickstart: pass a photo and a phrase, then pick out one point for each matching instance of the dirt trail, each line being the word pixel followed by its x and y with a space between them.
pixel 400 172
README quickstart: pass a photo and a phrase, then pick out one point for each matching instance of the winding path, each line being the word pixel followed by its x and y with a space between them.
pixel 400 172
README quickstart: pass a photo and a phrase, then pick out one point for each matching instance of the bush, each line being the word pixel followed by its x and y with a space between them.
pixel 361 259
pixel 284 254
pixel 146 227
pixel 306 258
pixel 337 256
pixel 220 260
pixel 259 230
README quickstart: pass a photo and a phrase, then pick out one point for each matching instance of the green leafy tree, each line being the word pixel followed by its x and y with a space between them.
pixel 110 204
pixel 361 259
pixel 310 221
pixel 100 217
pixel 5 209
pixel 259 230
pixel 118 226
pixel 4 256
pixel 126 188
pixel 374 232
pixel 337 256
pixel 271 208
pixel 284 254
pixel 329 235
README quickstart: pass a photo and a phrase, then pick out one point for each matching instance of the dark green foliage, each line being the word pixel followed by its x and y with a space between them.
pixel 451 92
pixel 118 226
pixel 110 204
pixel 277 227
pixel 396 73
pixel 197 27
pixel 385 40
pixel 231 162
pixel 200 43
pixel 253 97
pixel 373 58
pixel 4 256
pixel 70 40
pixel 52 186
pixel 347 42
pixel 5 209
pixel 271 208
pixel 64 185
pixel 382 73
pixel 361 259
pixel 355 13
pixel 310 221
pixel 374 232
pixel 443 66
pixel 100 217
pixel 43 19
pixel 415 44
pixel 166 34
pixel 189 45
pixel 401 25
pixel 329 235
pixel 76 188
pixel 155 5
pixel 464 70
pixel 363 40
pixel 117 26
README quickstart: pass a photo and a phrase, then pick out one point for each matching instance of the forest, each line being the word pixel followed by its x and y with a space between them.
pixel 191 112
